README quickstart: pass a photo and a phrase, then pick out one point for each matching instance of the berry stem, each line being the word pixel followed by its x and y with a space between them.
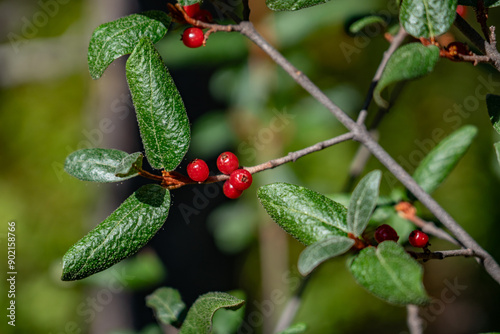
pixel 407 211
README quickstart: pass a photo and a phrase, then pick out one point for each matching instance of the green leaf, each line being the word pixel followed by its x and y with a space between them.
pixel 363 201
pixel 122 234
pixel 130 165
pixel 408 62
pixel 167 304
pixel 295 329
pixel 117 38
pixel 226 321
pixel 280 5
pixel 306 215
pixel 427 18
pixel 441 160
pixel 161 114
pixel 360 24
pixel 493 105
pixel 390 274
pixel 322 250
pixel 473 3
pixel 96 164
pixel 199 317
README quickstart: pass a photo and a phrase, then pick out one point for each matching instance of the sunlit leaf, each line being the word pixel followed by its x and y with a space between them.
pixel 306 215
pixel 427 18
pixel 122 234
pixel 117 38
pixel 161 114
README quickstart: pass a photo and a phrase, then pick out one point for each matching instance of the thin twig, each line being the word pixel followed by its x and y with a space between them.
pixel 407 211
pixel 395 43
pixel 443 254
pixel 413 320
pixel 362 135
pixel 488 49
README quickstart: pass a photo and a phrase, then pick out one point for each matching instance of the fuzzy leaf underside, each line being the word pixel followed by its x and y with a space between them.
pixel 427 18
pixel 363 201
pixel 306 215
pixel 167 304
pixel 117 38
pixel 130 165
pixel 119 236
pixel 97 165
pixel 161 114
pixel 322 250
pixel 199 316
pixel 390 274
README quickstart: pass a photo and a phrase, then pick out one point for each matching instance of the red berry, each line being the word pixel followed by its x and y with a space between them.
pixel 385 232
pixel 227 162
pixel 418 239
pixel 230 191
pixel 197 170
pixel 241 179
pixel 192 10
pixel 462 10
pixel 203 15
pixel 193 37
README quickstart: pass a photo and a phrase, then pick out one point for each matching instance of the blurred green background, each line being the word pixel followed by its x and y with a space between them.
pixel 238 100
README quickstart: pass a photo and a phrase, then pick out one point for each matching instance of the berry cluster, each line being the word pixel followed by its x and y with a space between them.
pixel 416 238
pixel 194 37
pixel 239 179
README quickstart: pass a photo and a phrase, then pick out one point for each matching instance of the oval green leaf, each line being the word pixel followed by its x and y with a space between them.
pixel 408 62
pixel 493 105
pixel 427 18
pixel 390 274
pixel 161 114
pixel 122 234
pixel 441 160
pixel 280 5
pixel 305 214
pixel 117 38
pixel 363 201
pixel 97 165
pixel 322 250
pixel 199 317
pixel 360 24
pixel 167 305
